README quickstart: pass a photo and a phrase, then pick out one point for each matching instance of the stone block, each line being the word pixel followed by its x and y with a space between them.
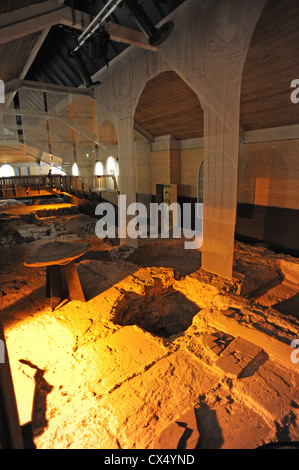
pixel 108 362
pixel 237 356
pixel 230 365
pixel 245 348
pixel 216 341
pixel 289 270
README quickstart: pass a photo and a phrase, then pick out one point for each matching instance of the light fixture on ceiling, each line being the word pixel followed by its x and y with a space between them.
pixel 154 36
pixel 98 44
pixel 96 23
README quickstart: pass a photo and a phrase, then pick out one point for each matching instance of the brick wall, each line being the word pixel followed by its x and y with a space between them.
pixel 143 172
pixel 269 174
pixel 165 167
pixel 160 168
pixel 190 162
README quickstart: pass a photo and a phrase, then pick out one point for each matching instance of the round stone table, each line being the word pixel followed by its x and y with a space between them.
pixel 62 280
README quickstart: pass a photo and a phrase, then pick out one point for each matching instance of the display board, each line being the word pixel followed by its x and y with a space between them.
pixel 167 193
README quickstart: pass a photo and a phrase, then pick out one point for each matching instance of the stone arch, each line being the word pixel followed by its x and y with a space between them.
pixel 108 153
pixel 107 132
pixel 170 81
pixel 168 107
pixel 195 64
pixel 180 72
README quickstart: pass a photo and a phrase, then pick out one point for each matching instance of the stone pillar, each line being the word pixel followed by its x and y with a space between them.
pixel 127 182
pixel 227 29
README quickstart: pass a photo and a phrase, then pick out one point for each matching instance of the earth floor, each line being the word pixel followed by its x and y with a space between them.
pixel 161 354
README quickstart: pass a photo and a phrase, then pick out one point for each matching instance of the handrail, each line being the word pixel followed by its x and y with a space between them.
pixel 21 186
pixel 42 185
pixel 111 177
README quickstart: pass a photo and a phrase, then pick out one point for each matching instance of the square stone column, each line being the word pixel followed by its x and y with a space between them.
pixel 227 29
pixel 127 180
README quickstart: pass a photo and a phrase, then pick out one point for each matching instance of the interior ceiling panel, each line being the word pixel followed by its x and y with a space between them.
pixel 11 69
pixel 271 65
pixel 167 106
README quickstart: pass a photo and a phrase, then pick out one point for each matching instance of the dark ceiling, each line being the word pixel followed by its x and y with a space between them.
pixel 54 64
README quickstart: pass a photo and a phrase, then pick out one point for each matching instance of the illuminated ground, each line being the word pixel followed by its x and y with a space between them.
pixel 156 338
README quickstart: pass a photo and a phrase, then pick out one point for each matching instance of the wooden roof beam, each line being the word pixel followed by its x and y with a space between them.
pixel 41 16
pixel 129 36
pixel 24 21
pixel 34 52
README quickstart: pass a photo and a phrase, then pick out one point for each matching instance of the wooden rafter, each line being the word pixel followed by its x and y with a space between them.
pixel 120 33
pixel 34 52
pixel 41 16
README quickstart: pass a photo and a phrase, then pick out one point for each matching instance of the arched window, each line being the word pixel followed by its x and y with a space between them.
pixel 6 171
pixel 99 168
pixel 75 170
pixel 112 167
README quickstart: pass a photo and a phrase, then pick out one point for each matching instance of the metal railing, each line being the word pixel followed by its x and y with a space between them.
pixel 43 185
pixel 26 186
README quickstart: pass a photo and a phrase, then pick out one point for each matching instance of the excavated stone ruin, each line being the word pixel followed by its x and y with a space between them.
pixel 160 344
pixel 162 311
pixel 168 254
